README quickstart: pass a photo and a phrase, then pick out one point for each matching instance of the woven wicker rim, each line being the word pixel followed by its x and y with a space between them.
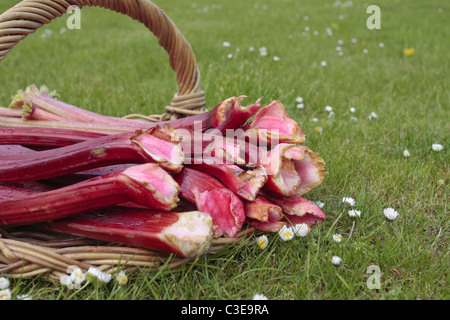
pixel 27 16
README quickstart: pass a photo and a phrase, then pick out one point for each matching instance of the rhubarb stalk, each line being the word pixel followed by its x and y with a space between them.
pixel 211 196
pixel 140 147
pixel 186 234
pixel 147 185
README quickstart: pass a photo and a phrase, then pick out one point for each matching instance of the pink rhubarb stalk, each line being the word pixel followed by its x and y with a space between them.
pixel 140 147
pixel 186 234
pixel 147 185
pixel 298 210
pixel 44 137
pixel 282 178
pixel 272 125
pixel 229 114
pixel 264 215
pixel 244 183
pixel 211 196
pixel 309 166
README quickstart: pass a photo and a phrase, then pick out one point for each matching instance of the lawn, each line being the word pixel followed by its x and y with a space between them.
pixel 384 101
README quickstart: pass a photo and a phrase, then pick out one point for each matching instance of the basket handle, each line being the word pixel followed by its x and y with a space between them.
pixel 27 16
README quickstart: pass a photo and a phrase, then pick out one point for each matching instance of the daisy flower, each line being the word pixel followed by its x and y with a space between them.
pixel 77 277
pixel 98 274
pixel 349 201
pixel 352 110
pixel 299 100
pixel 354 213
pixel 262 241
pixel 320 204
pixel 437 147
pixel 336 260
pixel 315 119
pixel 5 294
pixel 390 213
pixel 319 130
pixel 300 106
pixel 406 153
pixel 4 283
pixel 328 108
pixel 66 281
pixel 24 297
pixel 276 58
pixel 286 233
pixel 441 181
pixel 337 237
pixel 323 63
pixel 230 56
pixel 373 115
pixel 301 229
pixel 354 118
pixel 226 44
pixel 259 296
pixel 121 278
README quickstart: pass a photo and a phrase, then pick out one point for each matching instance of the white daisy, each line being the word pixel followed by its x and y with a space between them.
pixel 4 283
pixel 336 260
pixel 66 281
pixel 262 241
pixel 354 213
pixel 406 153
pixel 373 115
pixel 77 277
pixel 275 58
pixel 226 44
pixel 320 204
pixel 441 181
pixel 437 147
pixel 230 56
pixel 349 201
pixel 259 296
pixel 337 237
pixel 5 294
pixel 301 229
pixel 328 109
pixel 323 63
pixel 286 233
pixel 300 106
pixel 352 110
pixel 100 275
pixel 121 278
pixel 299 100
pixel 390 213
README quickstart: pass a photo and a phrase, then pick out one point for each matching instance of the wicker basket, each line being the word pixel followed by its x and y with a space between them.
pixel 28 252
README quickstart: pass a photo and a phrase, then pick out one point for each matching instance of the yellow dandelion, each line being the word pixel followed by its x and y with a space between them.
pixel 408 52
pixel 335 25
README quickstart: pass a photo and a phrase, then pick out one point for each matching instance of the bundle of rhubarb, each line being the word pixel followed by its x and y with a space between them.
pixel 174 187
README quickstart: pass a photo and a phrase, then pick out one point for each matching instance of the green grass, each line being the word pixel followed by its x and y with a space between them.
pixel 114 66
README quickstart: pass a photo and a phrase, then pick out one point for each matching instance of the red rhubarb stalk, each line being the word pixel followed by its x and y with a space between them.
pixel 244 183
pixel 264 215
pixel 229 114
pixel 44 137
pixel 211 196
pixel 186 234
pixel 272 125
pixel 147 185
pixel 140 147
pixel 298 210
